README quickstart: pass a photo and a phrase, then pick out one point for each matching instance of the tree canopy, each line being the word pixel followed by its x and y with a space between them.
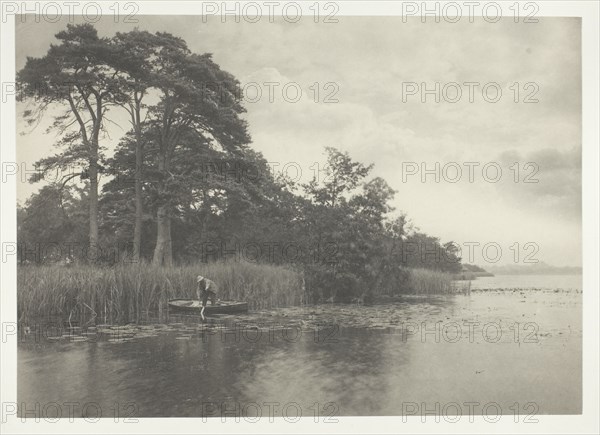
pixel 202 193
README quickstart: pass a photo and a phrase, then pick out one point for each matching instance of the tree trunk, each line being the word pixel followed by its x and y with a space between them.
pixel 93 198
pixel 137 230
pixel 163 253
pixel 93 159
pixel 139 162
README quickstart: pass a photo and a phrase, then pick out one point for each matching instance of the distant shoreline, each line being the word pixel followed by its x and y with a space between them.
pixel 537 273
pixel 520 269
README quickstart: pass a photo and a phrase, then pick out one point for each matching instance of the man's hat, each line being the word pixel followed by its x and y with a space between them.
pixel 199 278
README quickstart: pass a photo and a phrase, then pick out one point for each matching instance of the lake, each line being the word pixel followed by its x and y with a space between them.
pixel 512 346
pixel 536 282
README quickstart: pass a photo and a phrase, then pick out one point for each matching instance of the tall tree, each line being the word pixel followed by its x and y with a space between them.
pixel 75 76
pixel 135 49
pixel 199 104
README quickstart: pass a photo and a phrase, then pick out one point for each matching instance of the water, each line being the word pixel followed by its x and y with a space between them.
pixel 517 349
pixel 545 282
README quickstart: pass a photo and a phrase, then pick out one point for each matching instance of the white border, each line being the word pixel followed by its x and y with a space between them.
pixel 588 423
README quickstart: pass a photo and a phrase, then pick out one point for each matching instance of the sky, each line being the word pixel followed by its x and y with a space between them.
pixel 361 81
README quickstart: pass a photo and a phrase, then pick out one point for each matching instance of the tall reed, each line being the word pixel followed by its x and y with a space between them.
pixel 128 292
pixel 426 281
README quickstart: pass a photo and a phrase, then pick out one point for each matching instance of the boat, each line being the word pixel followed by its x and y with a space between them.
pixel 221 307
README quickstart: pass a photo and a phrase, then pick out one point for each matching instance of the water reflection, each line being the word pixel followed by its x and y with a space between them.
pixel 324 359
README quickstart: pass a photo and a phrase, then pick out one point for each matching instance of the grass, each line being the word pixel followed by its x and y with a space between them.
pixel 426 282
pixel 128 293
pixel 131 292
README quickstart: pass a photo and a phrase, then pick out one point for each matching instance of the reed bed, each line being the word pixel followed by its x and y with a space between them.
pixel 128 293
pixel 429 282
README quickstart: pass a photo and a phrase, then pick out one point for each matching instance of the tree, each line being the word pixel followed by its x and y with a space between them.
pixel 344 219
pixel 216 198
pixel 74 76
pixel 119 215
pixel 50 222
pixel 342 175
pixel 420 250
pixel 198 104
pixel 138 64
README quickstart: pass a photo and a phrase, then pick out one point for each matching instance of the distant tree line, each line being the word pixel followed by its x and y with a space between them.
pixel 184 185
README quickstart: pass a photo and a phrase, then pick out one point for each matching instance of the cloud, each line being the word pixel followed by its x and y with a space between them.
pixel 547 181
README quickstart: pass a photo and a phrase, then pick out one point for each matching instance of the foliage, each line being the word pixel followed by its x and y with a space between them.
pixel 202 194
pixel 76 77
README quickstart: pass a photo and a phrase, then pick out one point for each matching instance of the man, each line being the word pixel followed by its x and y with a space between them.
pixel 206 290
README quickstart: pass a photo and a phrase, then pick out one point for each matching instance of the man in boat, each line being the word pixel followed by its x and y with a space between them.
pixel 206 290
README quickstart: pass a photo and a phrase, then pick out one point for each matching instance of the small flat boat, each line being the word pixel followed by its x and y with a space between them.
pixel 194 306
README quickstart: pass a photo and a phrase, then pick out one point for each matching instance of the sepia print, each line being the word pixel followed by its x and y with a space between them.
pixel 298 215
